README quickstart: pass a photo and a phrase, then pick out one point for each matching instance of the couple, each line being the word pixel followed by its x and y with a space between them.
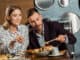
pixel 18 37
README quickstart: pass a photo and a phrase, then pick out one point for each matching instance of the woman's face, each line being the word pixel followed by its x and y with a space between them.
pixel 16 17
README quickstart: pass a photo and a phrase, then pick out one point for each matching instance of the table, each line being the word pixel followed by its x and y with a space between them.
pixel 51 58
pixel 32 57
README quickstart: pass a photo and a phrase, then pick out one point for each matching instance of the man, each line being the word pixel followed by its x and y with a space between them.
pixel 45 33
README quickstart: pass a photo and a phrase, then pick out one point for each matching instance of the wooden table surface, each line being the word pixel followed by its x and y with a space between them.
pixel 3 57
pixel 50 58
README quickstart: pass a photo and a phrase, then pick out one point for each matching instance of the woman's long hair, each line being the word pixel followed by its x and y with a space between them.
pixel 8 12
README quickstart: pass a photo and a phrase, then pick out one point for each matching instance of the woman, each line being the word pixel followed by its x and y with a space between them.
pixel 14 34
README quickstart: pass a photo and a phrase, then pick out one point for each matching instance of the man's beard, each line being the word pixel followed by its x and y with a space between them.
pixel 37 28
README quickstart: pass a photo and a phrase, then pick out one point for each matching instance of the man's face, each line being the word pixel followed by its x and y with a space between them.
pixel 36 21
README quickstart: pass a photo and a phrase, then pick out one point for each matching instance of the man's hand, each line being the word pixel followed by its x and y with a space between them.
pixel 60 38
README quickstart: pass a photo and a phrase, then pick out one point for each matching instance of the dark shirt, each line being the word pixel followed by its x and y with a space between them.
pixel 51 30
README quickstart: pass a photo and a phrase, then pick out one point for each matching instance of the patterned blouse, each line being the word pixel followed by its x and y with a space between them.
pixel 6 36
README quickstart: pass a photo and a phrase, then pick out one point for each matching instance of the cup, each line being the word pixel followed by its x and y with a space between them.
pixel 55 52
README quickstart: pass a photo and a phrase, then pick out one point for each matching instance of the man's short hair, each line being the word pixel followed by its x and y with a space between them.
pixel 31 12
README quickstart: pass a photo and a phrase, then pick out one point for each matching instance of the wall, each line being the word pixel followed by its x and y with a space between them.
pixel 24 4
pixel 55 12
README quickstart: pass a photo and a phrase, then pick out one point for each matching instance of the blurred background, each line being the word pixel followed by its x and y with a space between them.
pixel 24 4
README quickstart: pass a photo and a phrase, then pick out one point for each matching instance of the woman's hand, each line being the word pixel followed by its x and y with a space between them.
pixel 19 39
pixel 11 45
